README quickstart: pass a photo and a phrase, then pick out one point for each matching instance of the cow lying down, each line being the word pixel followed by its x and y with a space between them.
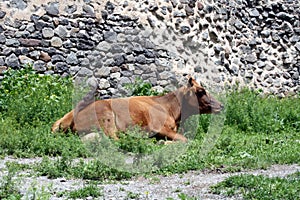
pixel 156 114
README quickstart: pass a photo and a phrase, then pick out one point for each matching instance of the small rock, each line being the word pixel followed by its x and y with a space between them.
pixel 2 39
pixel 61 31
pixel 295 76
pixel 275 36
pixel 124 80
pixel 297 46
pixel 103 84
pixel 30 28
pixel 52 9
pixel 47 32
pixel 39 25
pixel 166 75
pixel 56 42
pixel 57 58
pixel 61 67
pixel 25 60
pixel 103 72
pixel 185 29
pixel 110 36
pixel 89 10
pixel 2 69
pixel 129 58
pixel 109 7
pixel 269 67
pixel 269 80
pixel 163 10
pixel 200 5
pixel 141 59
pixel 262 56
pixel 277 83
pixel 286 75
pixel 265 33
pixel 45 56
pixel 6 51
pixel 12 42
pixel 103 46
pixel 179 14
pixel 1 29
pixel 238 24
pixel 12 61
pixel 85 44
pixel 29 42
pixel 39 66
pixel 19 4
pixel 119 60
pixel 116 75
pixel 2 14
pixel 251 58
pixel 295 38
pixel 68 44
pixel 253 12
pixel 70 9
pixel 72 59
pixel 284 16
pixel 84 62
pixel 189 10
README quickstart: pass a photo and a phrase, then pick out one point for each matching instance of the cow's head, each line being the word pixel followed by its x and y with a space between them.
pixel 198 101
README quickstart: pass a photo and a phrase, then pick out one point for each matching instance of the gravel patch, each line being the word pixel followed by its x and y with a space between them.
pixel 192 183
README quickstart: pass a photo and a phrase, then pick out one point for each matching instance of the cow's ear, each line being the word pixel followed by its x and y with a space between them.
pixel 191 81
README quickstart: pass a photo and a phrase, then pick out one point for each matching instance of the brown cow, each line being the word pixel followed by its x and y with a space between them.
pixel 159 114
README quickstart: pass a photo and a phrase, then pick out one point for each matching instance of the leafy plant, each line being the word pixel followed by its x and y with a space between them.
pixel 183 196
pixel 136 141
pixel 132 195
pixel 260 187
pixel 31 98
pixel 141 88
pixel 8 187
pixel 67 167
pixel 249 111
pixel 90 190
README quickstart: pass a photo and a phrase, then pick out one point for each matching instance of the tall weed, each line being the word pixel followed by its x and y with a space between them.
pixel 249 111
pixel 31 98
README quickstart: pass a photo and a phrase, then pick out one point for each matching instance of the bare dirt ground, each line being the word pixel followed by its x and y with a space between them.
pixel 193 183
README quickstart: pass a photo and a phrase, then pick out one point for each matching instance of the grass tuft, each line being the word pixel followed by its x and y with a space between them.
pixel 260 187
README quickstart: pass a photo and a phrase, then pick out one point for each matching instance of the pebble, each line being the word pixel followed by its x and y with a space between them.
pixel 12 61
pixel 56 42
pixel 48 32
pixel 52 9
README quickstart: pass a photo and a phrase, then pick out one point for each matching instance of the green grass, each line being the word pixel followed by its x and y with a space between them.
pixel 90 170
pixel 90 190
pixel 8 186
pixel 258 131
pixel 260 187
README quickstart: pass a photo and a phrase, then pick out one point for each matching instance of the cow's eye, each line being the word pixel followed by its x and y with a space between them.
pixel 201 92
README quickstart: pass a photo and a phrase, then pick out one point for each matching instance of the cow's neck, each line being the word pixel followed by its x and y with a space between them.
pixel 173 103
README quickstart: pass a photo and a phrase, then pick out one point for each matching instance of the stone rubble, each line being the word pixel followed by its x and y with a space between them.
pixel 222 43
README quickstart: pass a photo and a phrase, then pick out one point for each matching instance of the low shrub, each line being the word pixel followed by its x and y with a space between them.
pixel 260 187
pixel 32 98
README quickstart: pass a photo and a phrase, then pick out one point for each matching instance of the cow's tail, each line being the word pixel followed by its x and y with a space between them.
pixel 64 124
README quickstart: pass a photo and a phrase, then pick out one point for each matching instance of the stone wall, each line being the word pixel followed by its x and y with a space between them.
pixel 110 43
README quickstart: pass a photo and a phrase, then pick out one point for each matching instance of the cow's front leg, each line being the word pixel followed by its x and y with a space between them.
pixel 172 135
pixel 108 124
